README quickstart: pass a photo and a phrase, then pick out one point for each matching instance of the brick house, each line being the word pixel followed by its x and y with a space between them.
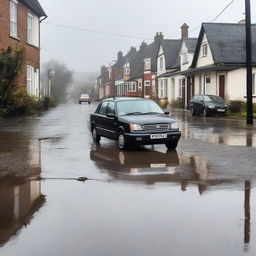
pixel 20 27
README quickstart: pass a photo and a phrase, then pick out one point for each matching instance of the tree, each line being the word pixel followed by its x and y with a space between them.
pixel 11 61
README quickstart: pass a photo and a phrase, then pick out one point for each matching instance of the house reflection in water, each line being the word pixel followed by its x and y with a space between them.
pixel 20 191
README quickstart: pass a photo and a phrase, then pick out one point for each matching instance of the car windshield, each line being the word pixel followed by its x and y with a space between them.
pixel 213 98
pixel 138 107
pixel 84 95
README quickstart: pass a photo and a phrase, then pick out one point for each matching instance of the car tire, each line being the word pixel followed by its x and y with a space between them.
pixel 89 102
pixel 121 143
pixel 171 146
pixel 79 102
pixel 96 137
pixel 193 111
pixel 205 114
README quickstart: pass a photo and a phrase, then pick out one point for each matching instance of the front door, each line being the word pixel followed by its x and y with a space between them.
pixel 222 79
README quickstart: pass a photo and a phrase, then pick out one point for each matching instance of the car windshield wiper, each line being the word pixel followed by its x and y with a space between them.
pixel 134 113
pixel 152 113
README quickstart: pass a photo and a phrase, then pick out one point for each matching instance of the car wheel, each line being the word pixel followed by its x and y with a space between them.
pixel 79 102
pixel 89 102
pixel 122 144
pixel 193 111
pixel 171 146
pixel 205 113
pixel 96 137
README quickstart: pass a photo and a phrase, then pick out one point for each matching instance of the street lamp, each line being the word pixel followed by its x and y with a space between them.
pixel 249 61
pixel 51 74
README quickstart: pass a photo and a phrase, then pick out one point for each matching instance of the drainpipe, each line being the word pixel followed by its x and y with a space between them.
pixel 40 21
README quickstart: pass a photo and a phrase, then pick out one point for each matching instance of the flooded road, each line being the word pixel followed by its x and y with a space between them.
pixel 198 200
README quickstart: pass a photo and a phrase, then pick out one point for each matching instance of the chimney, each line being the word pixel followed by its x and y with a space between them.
pixel 119 56
pixel 143 45
pixel 132 50
pixel 184 31
pixel 159 37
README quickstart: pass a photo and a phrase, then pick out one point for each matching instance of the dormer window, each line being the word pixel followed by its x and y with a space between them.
pixel 147 64
pixel 205 49
pixel 184 58
pixel 161 63
pixel 127 71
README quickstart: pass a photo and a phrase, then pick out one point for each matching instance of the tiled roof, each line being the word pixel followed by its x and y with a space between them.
pixel 171 49
pixel 35 6
pixel 191 44
pixel 227 42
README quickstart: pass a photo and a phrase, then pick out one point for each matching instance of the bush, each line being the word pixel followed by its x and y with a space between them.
pixel 237 106
pixel 177 103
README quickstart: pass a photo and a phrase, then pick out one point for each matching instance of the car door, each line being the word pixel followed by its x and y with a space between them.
pixel 200 104
pixel 100 119
pixel 195 103
pixel 111 121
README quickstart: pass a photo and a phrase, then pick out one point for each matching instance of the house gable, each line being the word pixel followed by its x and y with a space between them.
pixel 161 67
pixel 205 57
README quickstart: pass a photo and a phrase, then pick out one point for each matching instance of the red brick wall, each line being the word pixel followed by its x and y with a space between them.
pixel 148 77
pixel 32 54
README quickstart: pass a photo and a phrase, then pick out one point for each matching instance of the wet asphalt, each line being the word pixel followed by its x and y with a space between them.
pixel 198 200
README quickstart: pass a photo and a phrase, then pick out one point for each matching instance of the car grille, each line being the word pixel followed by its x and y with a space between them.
pixel 156 127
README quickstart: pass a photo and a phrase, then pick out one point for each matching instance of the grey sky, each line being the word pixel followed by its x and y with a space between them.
pixel 87 51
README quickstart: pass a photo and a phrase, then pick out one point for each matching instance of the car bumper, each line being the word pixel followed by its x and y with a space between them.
pixel 81 100
pixel 145 138
pixel 216 110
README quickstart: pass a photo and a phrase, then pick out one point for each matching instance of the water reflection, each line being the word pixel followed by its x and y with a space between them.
pixel 20 191
pixel 246 138
pixel 150 166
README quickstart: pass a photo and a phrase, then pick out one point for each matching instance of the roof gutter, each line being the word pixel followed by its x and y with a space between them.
pixel 44 18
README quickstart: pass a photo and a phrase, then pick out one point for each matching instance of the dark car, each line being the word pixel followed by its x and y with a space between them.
pixel 134 121
pixel 208 105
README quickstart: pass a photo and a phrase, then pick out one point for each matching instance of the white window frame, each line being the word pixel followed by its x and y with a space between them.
pixel 30 33
pixel 147 83
pixel 204 49
pixel 147 64
pixel 14 18
pixel 140 86
pixel 180 88
pixel 161 63
pixel 30 80
pixel 254 84
pixel 184 58
pixel 161 89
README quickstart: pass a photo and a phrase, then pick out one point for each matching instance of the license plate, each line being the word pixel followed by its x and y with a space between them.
pixel 221 110
pixel 157 165
pixel 158 136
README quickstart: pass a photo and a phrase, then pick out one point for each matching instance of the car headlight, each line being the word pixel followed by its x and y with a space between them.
pixel 135 127
pixel 210 106
pixel 174 126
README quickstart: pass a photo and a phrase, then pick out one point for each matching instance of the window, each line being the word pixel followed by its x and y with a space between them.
pixel 111 108
pixel 103 108
pixel 134 87
pixel 161 90
pixel 208 80
pixel 140 86
pixel 180 88
pixel 184 58
pixel 205 49
pixel 146 83
pixel 30 29
pixel 147 64
pixel 30 73
pixel 13 18
pixel 253 84
pixel 161 63
pixel 165 88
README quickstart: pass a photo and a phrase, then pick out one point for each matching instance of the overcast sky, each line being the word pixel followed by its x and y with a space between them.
pixel 86 51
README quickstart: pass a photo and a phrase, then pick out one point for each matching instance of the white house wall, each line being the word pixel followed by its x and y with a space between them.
pixel 204 60
pixel 159 70
pixel 184 49
pixel 236 85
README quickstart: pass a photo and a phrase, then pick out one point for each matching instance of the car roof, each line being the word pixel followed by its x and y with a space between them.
pixel 117 99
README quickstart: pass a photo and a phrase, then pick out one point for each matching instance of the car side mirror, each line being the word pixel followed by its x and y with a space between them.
pixel 111 115
pixel 166 112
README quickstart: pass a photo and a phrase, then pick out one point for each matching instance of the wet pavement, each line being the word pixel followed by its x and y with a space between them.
pixel 198 200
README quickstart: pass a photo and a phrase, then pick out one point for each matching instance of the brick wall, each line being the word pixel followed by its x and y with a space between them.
pixel 32 54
